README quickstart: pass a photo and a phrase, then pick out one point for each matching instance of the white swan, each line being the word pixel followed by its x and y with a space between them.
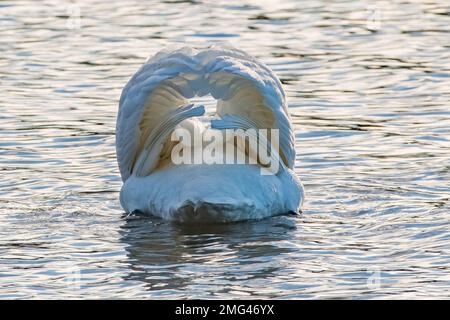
pixel 155 102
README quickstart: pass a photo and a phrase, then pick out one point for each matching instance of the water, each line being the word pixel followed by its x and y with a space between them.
pixel 368 85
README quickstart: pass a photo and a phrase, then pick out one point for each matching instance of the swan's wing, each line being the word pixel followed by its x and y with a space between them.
pixel 149 157
pixel 143 103
pixel 264 144
pixel 251 90
pixel 242 85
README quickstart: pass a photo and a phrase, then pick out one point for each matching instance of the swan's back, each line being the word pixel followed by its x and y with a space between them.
pixel 156 100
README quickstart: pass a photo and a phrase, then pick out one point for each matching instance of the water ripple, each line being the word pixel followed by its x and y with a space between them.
pixel 368 86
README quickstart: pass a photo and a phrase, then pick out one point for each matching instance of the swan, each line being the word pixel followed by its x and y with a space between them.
pixel 154 106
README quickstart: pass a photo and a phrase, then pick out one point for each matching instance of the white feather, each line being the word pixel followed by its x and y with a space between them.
pixel 248 95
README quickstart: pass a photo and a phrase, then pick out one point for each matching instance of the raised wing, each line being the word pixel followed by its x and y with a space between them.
pixel 242 86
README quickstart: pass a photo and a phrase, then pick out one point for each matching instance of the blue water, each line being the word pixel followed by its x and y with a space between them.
pixel 368 86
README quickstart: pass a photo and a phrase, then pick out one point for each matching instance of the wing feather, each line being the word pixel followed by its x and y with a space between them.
pixel 243 86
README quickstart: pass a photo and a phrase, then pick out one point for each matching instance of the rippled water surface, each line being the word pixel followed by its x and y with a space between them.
pixel 368 86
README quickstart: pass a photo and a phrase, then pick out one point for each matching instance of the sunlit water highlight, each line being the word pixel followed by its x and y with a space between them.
pixel 368 84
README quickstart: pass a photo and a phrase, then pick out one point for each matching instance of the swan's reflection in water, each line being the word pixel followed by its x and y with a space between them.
pixel 207 260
